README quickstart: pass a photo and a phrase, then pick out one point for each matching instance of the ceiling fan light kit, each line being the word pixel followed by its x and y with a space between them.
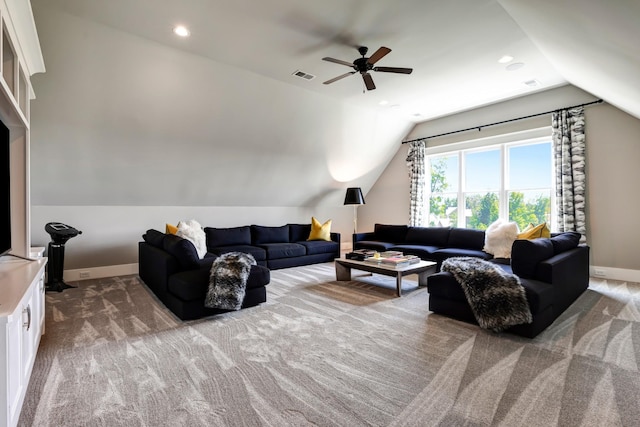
pixel 364 65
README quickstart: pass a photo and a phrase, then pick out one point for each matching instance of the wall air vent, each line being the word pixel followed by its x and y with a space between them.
pixel 303 75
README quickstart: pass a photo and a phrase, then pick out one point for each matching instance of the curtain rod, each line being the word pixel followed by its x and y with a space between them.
pixel 504 121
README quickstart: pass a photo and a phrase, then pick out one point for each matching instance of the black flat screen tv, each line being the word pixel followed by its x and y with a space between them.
pixel 5 190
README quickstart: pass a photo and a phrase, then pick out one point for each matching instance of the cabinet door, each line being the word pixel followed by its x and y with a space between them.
pixel 14 365
pixel 28 330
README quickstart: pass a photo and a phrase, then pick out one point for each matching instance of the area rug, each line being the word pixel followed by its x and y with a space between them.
pixel 328 353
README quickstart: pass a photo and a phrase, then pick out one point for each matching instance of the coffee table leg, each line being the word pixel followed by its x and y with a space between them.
pixel 342 272
pixel 399 284
pixel 422 278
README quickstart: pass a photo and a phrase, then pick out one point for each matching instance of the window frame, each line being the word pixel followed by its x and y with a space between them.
pixel 503 143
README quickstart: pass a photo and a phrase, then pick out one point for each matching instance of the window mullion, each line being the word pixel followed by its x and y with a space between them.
pixel 462 208
pixel 504 184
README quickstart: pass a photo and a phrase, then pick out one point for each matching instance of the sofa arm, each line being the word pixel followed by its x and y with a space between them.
pixel 571 265
pixel 335 237
pixel 155 266
pixel 568 272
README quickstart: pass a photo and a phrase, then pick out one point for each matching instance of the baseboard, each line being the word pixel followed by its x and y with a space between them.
pixel 100 272
pixel 622 274
pixel 127 269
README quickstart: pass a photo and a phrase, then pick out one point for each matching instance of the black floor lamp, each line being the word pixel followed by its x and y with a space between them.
pixel 354 197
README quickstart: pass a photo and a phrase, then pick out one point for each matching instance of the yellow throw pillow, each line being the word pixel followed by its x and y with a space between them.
pixel 320 231
pixel 170 229
pixel 534 232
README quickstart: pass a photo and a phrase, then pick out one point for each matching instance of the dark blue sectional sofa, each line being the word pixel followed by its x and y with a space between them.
pixel 274 247
pixel 553 271
pixel 429 243
pixel 170 267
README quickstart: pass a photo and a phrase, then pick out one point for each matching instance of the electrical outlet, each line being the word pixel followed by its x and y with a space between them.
pixel 85 274
pixel 599 272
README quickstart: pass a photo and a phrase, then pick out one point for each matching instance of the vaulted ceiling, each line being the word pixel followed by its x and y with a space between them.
pixel 452 46
pixel 220 120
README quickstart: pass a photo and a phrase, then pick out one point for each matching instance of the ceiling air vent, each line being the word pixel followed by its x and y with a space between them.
pixel 304 75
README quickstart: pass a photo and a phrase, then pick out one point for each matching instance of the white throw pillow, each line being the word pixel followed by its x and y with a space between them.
pixel 193 232
pixel 499 238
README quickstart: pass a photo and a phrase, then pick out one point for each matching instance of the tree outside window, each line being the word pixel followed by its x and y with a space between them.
pixel 515 179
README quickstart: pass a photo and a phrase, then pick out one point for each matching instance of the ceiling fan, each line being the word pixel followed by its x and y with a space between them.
pixel 364 65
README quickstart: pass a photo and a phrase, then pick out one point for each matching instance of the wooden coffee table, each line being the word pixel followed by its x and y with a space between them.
pixel 423 269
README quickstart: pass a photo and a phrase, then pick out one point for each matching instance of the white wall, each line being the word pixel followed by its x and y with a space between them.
pixel 613 150
pixel 128 134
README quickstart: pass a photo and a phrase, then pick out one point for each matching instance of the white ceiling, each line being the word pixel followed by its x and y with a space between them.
pixel 452 46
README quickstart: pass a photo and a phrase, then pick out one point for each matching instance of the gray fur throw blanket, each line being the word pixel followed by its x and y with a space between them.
pixel 228 280
pixel 497 298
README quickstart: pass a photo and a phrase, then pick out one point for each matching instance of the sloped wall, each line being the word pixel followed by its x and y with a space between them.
pixel 126 128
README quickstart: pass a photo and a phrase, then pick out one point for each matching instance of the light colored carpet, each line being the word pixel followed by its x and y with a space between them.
pixel 328 353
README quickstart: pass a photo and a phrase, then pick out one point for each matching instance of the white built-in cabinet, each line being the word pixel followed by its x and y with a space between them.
pixel 21 326
pixel 21 281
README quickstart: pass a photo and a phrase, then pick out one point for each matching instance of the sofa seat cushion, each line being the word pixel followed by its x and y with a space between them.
pixel 233 236
pixel 192 285
pixel 320 247
pixel 423 251
pixel 258 253
pixel 374 245
pixel 442 254
pixel 283 250
pixel 539 294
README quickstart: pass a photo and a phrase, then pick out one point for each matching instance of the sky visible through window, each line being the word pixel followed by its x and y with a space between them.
pixel 529 167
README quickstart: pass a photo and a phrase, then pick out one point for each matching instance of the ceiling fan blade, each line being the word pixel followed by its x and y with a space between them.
pixel 368 81
pixel 393 70
pixel 338 61
pixel 378 55
pixel 335 79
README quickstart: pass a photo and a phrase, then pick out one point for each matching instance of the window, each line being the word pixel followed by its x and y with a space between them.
pixel 509 180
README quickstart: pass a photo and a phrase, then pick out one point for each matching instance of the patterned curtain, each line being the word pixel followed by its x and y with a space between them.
pixel 569 150
pixel 417 175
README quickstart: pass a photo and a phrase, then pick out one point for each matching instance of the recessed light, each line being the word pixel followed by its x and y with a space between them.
pixel 181 31
pixel 505 59
pixel 532 83
pixel 515 66
pixel 383 103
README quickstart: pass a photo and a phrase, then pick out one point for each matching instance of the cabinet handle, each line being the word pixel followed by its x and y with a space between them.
pixel 27 310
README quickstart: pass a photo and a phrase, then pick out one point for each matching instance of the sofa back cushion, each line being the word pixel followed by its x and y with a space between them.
pixel 299 232
pixel 391 233
pixel 466 238
pixel 564 241
pixel 233 236
pixel 526 254
pixel 262 234
pixel 154 238
pixel 428 236
pixel 183 250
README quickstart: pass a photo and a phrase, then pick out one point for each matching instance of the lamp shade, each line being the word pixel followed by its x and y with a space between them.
pixel 354 196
